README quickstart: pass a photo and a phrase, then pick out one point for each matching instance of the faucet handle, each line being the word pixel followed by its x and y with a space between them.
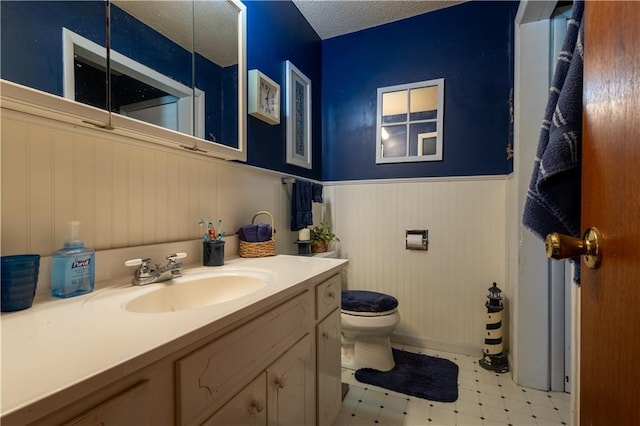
pixel 174 256
pixel 143 271
pixel 136 262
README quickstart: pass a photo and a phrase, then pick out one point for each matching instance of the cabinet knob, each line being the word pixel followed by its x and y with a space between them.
pixel 281 382
pixel 325 335
pixel 257 405
pixel 331 294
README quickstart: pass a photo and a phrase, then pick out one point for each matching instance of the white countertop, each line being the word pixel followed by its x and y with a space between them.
pixel 58 343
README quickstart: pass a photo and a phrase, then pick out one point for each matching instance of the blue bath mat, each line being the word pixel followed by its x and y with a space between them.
pixel 424 376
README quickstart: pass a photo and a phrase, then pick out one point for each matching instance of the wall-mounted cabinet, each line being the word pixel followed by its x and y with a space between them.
pixel 171 71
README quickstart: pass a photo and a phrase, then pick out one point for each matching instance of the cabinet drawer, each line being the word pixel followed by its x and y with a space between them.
pixel 131 407
pixel 328 296
pixel 210 375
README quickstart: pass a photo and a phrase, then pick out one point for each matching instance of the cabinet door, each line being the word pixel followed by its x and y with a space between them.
pixel 291 386
pixel 247 408
pixel 329 369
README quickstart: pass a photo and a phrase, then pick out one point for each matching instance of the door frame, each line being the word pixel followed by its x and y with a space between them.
pixel 528 267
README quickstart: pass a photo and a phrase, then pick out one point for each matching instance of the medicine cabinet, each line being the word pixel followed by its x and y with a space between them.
pixel 177 68
pixel 410 122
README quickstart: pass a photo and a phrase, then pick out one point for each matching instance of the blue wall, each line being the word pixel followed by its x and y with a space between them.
pixel 277 32
pixel 470 46
pixel 36 61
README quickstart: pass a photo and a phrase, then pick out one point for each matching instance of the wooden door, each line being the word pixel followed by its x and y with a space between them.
pixel 610 296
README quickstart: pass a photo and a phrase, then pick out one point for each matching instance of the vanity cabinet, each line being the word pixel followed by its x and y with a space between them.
pixel 303 387
pixel 278 364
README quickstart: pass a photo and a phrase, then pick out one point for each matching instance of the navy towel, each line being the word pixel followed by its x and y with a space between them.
pixel 553 198
pixel 255 233
pixel 301 215
pixel 317 193
pixel 264 232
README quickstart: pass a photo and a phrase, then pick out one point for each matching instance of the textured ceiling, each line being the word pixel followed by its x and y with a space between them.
pixel 331 18
pixel 216 29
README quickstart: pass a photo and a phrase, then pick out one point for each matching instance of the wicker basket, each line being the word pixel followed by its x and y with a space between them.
pixel 261 249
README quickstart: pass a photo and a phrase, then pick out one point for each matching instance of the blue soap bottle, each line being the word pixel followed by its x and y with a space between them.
pixel 73 267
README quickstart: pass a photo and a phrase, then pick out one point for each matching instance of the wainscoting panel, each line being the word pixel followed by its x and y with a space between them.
pixel 441 291
pixel 128 193
pixel 124 192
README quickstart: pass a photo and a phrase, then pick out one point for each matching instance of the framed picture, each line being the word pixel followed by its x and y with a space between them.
pixel 298 107
pixel 264 97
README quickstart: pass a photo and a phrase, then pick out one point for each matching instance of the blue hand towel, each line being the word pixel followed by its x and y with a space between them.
pixel 248 233
pixel 301 215
pixel 255 233
pixel 317 193
pixel 553 198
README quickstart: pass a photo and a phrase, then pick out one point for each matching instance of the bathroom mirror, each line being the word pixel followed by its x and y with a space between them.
pixel 216 60
pixel 152 63
pixel 410 122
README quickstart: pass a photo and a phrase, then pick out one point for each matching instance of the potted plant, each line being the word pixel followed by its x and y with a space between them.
pixel 321 236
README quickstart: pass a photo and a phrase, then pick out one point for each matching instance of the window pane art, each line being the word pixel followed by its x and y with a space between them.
pixel 394 141
pixel 410 122
pixel 427 144
pixel 298 113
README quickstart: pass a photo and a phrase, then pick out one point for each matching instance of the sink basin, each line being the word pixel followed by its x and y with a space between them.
pixel 196 292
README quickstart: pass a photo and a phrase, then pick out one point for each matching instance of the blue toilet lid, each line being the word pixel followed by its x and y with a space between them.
pixel 367 301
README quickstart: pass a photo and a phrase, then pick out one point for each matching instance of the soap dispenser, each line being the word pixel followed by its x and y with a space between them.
pixel 73 267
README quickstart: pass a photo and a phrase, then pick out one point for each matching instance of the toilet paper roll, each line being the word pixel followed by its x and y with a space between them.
pixel 414 242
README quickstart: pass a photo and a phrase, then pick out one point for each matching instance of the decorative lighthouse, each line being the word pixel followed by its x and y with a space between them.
pixel 494 358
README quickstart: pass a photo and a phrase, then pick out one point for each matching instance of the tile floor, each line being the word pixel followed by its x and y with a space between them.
pixel 484 398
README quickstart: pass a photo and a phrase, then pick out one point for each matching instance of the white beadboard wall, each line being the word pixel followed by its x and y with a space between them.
pixel 125 193
pixel 128 194
pixel 441 291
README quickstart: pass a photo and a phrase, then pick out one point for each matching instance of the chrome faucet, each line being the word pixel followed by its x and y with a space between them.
pixel 144 275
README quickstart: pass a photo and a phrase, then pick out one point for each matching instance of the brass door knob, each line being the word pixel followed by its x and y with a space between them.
pixel 559 246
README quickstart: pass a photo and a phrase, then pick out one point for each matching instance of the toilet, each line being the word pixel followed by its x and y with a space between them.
pixel 368 319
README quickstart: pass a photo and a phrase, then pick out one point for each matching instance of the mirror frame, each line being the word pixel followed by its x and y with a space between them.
pixel 21 98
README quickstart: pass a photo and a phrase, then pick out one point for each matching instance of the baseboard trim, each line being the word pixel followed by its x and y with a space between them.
pixel 457 348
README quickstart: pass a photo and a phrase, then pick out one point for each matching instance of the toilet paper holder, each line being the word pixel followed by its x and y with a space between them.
pixel 417 239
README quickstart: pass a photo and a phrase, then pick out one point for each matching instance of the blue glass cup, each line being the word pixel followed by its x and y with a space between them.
pixel 19 275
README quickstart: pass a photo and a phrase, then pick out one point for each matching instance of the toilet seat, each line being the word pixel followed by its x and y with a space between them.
pixel 367 303
pixel 369 314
